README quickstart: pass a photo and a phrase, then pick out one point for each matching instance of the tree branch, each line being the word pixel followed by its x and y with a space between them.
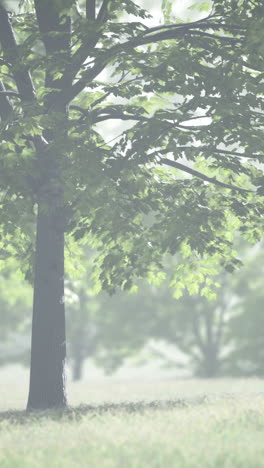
pixel 195 173
pixel 103 11
pixel 84 112
pixel 144 39
pixel 5 106
pixel 83 52
pixel 90 10
pixel 108 113
pixel 20 73
pixel 119 116
pixel 251 67
pixel 67 96
pixel 174 34
pixel 116 112
pixel 230 40
pixel 220 151
pixel 101 99
pixel 200 24
pixel 176 25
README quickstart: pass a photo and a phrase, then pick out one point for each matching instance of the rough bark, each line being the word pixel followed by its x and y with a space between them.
pixel 48 346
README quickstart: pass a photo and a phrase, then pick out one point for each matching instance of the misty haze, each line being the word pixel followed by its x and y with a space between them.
pixel 131 233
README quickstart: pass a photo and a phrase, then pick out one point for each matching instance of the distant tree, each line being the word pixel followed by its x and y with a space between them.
pixel 82 332
pixel 223 336
pixel 199 329
pixel 191 91
pixel 15 315
pixel 218 337
pixel 192 324
pixel 247 324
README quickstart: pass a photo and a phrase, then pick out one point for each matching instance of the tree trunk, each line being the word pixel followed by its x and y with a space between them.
pixel 48 346
pixel 211 363
pixel 211 350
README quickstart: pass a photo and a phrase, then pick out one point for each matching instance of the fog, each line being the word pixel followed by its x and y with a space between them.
pixel 157 330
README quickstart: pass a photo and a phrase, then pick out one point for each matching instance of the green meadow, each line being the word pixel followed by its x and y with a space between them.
pixel 146 424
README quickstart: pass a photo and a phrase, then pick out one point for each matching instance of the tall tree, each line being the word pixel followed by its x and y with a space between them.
pixel 189 90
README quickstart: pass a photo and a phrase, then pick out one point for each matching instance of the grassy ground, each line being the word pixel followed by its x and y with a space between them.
pixel 162 424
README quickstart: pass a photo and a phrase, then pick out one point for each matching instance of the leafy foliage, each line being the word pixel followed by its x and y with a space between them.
pixel 183 177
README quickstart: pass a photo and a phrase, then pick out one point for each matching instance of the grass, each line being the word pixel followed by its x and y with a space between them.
pixel 161 424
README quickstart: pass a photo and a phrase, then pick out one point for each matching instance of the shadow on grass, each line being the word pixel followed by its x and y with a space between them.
pixel 76 413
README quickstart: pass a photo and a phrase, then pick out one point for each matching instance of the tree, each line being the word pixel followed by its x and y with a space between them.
pixel 245 330
pixel 199 329
pixel 15 302
pixel 196 327
pixel 82 306
pixel 188 90
pixel 223 336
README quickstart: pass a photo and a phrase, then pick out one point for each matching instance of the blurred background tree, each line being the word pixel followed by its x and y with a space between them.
pixel 223 336
pixel 15 305
pixel 247 323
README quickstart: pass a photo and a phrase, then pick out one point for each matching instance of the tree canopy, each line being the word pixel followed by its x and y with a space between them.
pixel 192 94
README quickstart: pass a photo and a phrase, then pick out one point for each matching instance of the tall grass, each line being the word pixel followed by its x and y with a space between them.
pixel 177 429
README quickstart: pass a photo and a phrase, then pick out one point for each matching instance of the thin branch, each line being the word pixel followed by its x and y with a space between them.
pixel 190 127
pixel 177 25
pixel 101 99
pixel 85 112
pixel 5 105
pixel 174 34
pixel 105 114
pixel 121 85
pixel 251 67
pixel 202 23
pixel 218 150
pixel 81 54
pixel 231 40
pixel 119 116
pixel 110 141
pixel 105 58
pixel 79 109
pixel 195 173
pixel 117 112
pixel 88 46
pixel 229 27
pixel 103 11
pixel 82 111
